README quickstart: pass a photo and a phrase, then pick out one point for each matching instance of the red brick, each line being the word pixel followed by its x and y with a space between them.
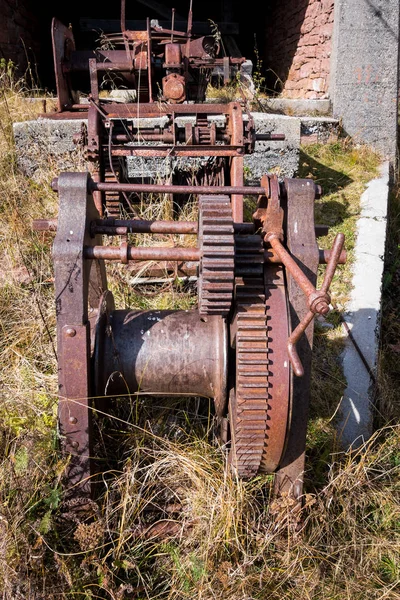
pixel 327 5
pixel 325 65
pixel 307 26
pixel 290 85
pixel 306 70
pixel 313 9
pixel 319 85
pixel 322 19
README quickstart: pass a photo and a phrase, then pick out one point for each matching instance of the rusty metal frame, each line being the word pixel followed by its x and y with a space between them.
pixel 63 44
pixel 301 242
pixel 79 284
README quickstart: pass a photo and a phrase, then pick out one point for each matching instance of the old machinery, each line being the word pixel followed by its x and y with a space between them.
pixel 247 346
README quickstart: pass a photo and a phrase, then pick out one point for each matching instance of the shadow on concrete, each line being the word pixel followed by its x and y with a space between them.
pixel 342 406
pixel 377 12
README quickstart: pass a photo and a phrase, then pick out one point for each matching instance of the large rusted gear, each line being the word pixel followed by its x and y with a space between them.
pixel 259 404
pixel 217 263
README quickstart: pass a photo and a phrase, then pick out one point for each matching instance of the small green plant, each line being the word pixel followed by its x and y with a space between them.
pixel 7 74
pixel 258 77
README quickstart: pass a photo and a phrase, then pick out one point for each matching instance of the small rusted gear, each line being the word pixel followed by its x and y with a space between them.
pixel 217 262
pixel 259 406
pixel 112 199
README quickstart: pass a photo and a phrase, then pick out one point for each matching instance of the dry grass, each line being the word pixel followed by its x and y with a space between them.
pixel 230 540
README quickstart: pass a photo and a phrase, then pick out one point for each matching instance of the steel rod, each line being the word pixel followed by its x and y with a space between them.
pixel 179 150
pixel 124 226
pixel 124 253
pixel 293 268
pixel 168 189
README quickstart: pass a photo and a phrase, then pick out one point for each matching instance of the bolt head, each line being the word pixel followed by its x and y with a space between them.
pixel 322 308
pixel 70 332
pixel 73 420
pixel 75 445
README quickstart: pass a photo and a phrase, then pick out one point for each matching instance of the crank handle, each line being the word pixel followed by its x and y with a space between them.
pixel 319 305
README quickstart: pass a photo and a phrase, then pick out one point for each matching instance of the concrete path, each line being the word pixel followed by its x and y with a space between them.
pixel 363 314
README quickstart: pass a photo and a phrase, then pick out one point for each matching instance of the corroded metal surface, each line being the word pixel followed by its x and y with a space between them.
pixel 161 352
pixel 217 254
pixel 185 353
pixel 259 406
pixel 78 286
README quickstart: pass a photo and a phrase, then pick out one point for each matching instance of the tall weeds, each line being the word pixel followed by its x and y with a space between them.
pixel 170 521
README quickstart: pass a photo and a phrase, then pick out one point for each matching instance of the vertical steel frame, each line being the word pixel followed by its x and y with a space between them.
pixel 79 284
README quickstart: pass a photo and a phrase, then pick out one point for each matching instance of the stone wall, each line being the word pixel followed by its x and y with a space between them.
pixel 299 44
pixel 19 33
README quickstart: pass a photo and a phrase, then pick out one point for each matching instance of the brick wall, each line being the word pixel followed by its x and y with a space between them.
pixel 19 32
pixel 298 47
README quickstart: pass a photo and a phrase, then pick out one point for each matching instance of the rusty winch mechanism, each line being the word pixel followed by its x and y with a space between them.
pixel 155 63
pixel 170 127
pixel 248 344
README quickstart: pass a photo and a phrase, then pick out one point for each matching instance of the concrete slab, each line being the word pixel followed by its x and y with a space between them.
pixel 281 158
pixel 319 130
pixel 44 139
pixel 298 108
pixel 363 313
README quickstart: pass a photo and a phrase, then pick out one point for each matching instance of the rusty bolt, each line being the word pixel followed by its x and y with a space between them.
pixel 75 445
pixel 73 420
pixel 322 308
pixel 70 332
pixel 318 302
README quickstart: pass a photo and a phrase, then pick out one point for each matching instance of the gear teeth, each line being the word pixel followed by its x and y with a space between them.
pixel 217 265
pixel 251 356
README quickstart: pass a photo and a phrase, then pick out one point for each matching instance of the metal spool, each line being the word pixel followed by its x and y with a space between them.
pixel 163 352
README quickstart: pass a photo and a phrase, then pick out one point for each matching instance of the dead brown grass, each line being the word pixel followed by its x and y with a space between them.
pixel 230 540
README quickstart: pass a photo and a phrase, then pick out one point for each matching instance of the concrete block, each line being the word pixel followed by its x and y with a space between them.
pixel 363 314
pixel 281 158
pixel 299 107
pixel 44 139
pixel 319 130
pixel 364 78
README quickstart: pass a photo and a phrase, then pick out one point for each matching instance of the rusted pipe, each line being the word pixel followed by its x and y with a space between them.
pixel 325 257
pixel 292 341
pixel 178 150
pixel 44 225
pixel 270 256
pixel 125 252
pixel 292 266
pixel 167 189
pixel 124 226
pixel 274 137
pixel 334 259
